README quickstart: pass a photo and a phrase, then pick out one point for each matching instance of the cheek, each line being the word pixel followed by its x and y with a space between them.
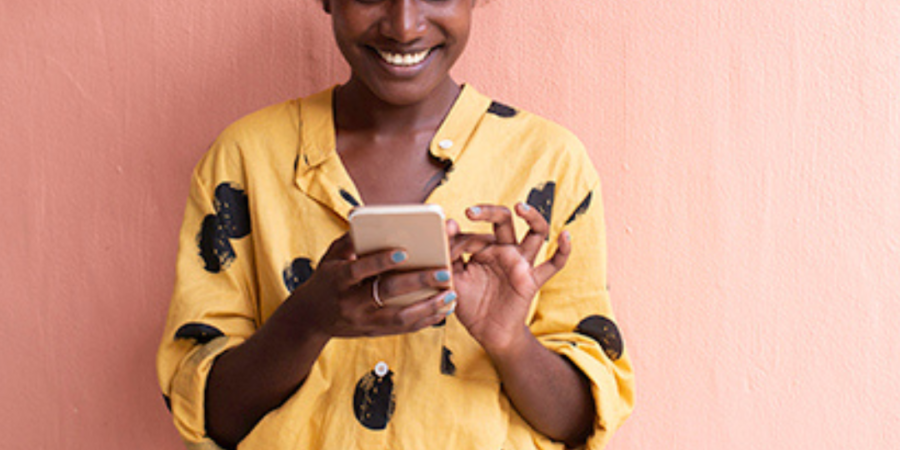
pixel 460 23
pixel 349 26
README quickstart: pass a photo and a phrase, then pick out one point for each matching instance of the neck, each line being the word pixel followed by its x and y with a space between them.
pixel 358 109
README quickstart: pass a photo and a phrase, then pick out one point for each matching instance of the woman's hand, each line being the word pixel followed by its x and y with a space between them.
pixel 339 299
pixel 498 283
pixel 496 287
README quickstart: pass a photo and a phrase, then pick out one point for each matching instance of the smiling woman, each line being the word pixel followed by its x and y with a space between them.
pixel 402 51
pixel 281 336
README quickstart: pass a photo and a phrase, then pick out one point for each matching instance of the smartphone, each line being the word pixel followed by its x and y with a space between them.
pixel 418 229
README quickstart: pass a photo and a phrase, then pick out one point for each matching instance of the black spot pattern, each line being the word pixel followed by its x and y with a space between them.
pixel 168 402
pixel 605 332
pixel 233 210
pixel 501 110
pixel 215 249
pixel 440 324
pixel 199 332
pixel 231 221
pixel 296 163
pixel 541 198
pixel 373 401
pixel 297 273
pixel 582 208
pixel 349 197
pixel 447 366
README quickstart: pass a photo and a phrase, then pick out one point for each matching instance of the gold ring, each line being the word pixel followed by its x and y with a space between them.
pixel 375 295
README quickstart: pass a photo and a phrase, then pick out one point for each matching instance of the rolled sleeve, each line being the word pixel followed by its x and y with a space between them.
pixel 212 308
pixel 573 318
pixel 187 393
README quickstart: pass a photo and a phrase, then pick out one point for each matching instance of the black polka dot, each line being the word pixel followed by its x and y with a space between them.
pixel 541 198
pixel 605 332
pixel 296 162
pixel 215 249
pixel 440 324
pixel 168 402
pixel 349 197
pixel 233 210
pixel 199 332
pixel 373 401
pixel 297 273
pixel 447 366
pixel 501 110
pixel 231 221
pixel 582 208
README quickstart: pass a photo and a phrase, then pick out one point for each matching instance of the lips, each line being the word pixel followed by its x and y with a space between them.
pixel 403 59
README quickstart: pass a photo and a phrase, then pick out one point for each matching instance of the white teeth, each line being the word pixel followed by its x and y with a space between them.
pixel 403 59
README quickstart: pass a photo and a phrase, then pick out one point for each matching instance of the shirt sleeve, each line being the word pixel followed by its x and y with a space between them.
pixel 574 318
pixel 212 307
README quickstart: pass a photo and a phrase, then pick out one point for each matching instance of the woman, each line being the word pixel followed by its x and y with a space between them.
pixel 274 338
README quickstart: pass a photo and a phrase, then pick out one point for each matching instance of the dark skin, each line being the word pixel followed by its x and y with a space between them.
pixel 386 116
pixel 385 152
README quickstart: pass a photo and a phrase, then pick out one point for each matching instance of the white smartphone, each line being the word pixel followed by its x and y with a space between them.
pixel 418 229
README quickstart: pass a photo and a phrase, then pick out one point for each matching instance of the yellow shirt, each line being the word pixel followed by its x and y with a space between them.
pixel 272 194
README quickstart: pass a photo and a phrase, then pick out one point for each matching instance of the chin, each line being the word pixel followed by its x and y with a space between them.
pixel 403 94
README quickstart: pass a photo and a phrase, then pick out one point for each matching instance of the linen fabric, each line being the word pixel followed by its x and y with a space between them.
pixel 269 197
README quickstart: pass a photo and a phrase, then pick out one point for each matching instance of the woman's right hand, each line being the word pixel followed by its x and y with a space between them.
pixel 338 299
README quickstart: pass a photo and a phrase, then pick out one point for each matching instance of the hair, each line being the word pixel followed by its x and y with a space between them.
pixel 477 2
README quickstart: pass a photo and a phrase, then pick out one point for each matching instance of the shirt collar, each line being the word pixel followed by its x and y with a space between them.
pixel 317 134
pixel 317 140
pixel 457 129
pixel 319 171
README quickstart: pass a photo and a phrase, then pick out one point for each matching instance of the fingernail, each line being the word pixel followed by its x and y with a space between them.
pixel 449 297
pixel 525 206
pixel 442 275
pixel 567 236
pixel 475 210
pixel 398 256
pixel 451 310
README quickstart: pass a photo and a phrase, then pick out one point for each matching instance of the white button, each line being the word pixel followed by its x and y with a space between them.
pixel 381 369
pixel 445 144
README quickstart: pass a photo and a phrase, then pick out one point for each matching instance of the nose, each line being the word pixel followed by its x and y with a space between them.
pixel 404 21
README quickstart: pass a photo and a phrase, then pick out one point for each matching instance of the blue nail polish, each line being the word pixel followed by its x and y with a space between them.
pixel 475 210
pixel 451 310
pixel 525 207
pixel 449 297
pixel 398 257
pixel 442 276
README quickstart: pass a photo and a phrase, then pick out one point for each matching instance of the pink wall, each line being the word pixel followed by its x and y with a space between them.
pixel 750 152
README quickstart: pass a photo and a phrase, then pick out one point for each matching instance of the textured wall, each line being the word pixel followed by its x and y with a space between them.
pixel 750 151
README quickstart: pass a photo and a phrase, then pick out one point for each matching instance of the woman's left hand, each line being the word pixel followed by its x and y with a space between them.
pixel 499 281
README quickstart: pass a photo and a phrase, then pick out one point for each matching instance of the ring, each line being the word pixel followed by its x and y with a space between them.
pixel 375 295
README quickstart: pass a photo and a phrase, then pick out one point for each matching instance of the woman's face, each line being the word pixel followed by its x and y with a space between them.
pixel 401 49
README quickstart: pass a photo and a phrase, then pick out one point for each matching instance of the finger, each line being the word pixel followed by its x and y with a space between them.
pixel 545 271
pixel 397 284
pixel 469 243
pixel 404 319
pixel 500 217
pixel 538 229
pixel 432 311
pixel 452 228
pixel 340 248
pixel 373 264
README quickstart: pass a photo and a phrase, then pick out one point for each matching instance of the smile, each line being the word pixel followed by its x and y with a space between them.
pixel 403 59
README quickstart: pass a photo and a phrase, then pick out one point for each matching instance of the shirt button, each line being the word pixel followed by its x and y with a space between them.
pixel 381 369
pixel 445 144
